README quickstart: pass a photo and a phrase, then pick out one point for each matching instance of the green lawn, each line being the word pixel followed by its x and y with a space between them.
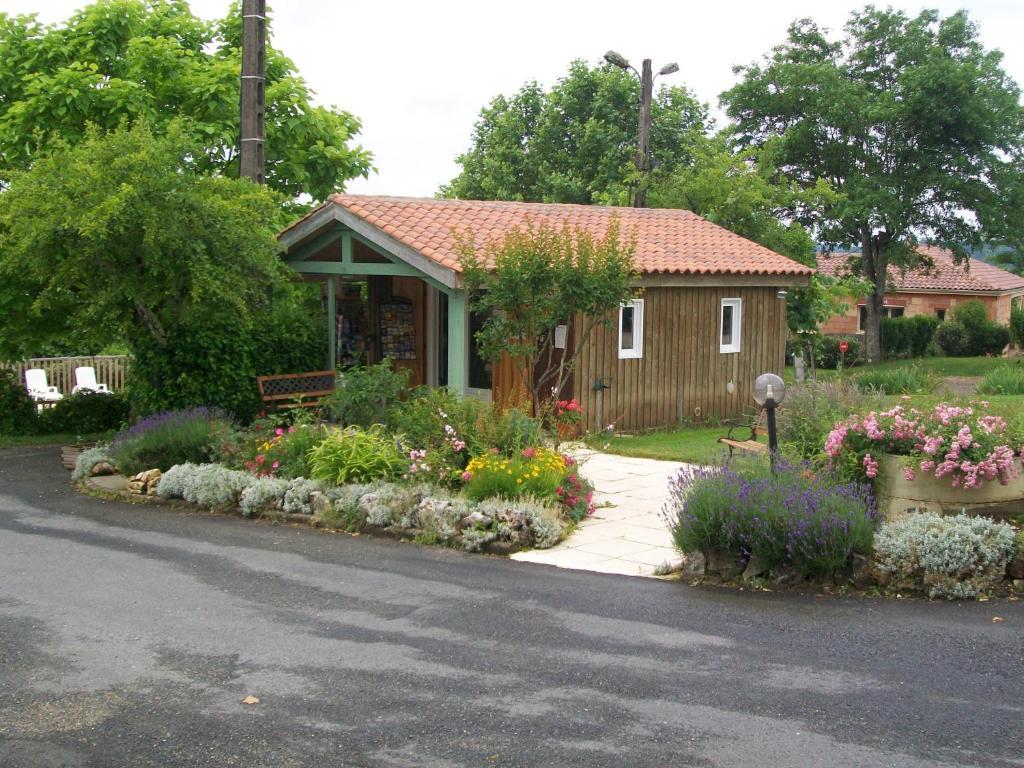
pixel 699 444
pixel 941 366
pixel 9 441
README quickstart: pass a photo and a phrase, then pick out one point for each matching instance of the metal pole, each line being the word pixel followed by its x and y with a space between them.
pixel 644 133
pixel 773 437
pixel 250 154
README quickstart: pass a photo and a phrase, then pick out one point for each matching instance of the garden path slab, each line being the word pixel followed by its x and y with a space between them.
pixel 626 535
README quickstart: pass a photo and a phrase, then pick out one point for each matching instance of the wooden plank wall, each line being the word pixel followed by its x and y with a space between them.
pixel 111 370
pixel 682 377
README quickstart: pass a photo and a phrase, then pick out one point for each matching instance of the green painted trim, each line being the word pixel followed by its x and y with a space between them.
pixel 313 246
pixel 332 313
pixel 458 341
pixel 346 246
pixel 340 268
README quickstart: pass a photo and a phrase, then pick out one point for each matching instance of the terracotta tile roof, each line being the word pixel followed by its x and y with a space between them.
pixel 973 276
pixel 668 240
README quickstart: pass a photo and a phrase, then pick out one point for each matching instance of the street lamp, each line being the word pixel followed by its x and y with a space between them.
pixel 769 392
pixel 644 130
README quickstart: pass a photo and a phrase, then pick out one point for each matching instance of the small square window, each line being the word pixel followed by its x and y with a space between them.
pixel 730 325
pixel 631 329
pixel 940 314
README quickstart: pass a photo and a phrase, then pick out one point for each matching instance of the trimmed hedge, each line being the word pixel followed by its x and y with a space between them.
pixel 907 336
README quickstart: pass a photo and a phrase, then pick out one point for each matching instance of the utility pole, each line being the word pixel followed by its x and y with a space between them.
pixel 643 155
pixel 644 137
pixel 252 102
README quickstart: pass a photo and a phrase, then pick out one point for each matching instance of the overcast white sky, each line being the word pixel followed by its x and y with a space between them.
pixel 417 73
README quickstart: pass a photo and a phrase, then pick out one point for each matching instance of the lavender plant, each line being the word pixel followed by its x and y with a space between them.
pixel 168 438
pixel 796 516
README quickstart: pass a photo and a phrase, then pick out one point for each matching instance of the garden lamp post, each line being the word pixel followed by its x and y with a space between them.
pixel 769 392
pixel 644 130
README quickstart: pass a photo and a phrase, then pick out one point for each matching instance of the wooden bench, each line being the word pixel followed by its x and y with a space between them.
pixel 295 390
pixel 756 428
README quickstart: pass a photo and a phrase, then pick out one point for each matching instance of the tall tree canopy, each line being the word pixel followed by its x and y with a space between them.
pixel 910 120
pixel 155 60
pixel 122 236
pixel 575 142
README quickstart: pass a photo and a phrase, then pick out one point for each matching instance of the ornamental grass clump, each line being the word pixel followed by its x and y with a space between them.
pixel 356 455
pixel 946 557
pixel 968 445
pixel 796 517
pixel 168 438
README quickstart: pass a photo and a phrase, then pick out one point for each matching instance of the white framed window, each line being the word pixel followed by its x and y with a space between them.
pixel 631 329
pixel 730 324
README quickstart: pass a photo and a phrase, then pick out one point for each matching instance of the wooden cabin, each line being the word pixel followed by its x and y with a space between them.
pixel 710 317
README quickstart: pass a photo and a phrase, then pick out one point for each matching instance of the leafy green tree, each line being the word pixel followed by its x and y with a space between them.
pixel 573 143
pixel 531 281
pixel 123 236
pixel 155 60
pixel 911 120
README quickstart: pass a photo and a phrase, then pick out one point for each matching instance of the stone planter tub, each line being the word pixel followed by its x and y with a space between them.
pixel 896 494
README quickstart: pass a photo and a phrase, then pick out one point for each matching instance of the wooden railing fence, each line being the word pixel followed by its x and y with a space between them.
pixel 111 370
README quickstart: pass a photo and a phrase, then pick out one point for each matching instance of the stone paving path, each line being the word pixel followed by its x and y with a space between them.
pixel 628 537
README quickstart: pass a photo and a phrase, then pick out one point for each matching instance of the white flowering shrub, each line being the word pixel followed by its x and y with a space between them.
pixel 950 557
pixel 297 496
pixel 208 485
pixel 88 459
pixel 475 539
pixel 441 516
pixel 264 496
pixel 391 504
pixel 172 482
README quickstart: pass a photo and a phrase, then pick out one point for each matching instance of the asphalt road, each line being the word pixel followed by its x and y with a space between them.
pixel 129 636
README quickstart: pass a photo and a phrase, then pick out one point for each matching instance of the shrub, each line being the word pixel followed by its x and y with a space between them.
pixel 263 496
pixel 208 485
pixel 1006 379
pixel 17 411
pixel 900 380
pixel 534 471
pixel 810 412
pixel 285 452
pixel 365 393
pixel 165 439
pixel 969 332
pixel 390 504
pixel 88 459
pixel 953 339
pixel 85 412
pixel 907 336
pixel 798 517
pixel 1017 325
pixel 966 444
pixel 828 356
pixel 951 557
pixel 297 496
pixel 356 455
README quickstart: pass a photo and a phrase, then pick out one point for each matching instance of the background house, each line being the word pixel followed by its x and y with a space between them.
pixel 928 290
pixel 710 317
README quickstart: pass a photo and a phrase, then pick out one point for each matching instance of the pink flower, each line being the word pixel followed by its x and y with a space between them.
pixel 870 466
pixel 467 476
pixel 458 445
pixel 908 474
pixel 275 465
pixel 279 431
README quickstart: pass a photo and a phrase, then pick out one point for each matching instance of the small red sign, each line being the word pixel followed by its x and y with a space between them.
pixel 844 346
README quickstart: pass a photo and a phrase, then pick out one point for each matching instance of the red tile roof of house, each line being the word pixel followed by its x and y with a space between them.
pixel 667 240
pixel 973 276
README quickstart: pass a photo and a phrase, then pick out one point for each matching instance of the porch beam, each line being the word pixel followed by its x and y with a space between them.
pixel 458 341
pixel 346 246
pixel 332 315
pixel 341 268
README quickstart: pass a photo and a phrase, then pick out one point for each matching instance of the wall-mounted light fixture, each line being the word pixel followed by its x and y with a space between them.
pixel 781 293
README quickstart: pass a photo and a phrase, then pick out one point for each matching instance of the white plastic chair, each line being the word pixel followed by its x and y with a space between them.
pixel 38 389
pixel 85 381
